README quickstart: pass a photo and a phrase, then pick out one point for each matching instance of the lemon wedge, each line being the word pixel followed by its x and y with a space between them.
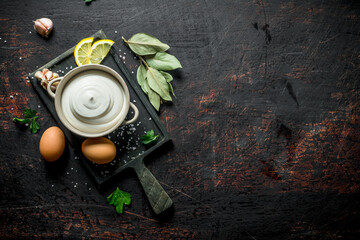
pixel 82 51
pixel 99 50
pixel 88 53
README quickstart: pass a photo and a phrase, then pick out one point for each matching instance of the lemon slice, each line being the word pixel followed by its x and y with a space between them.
pixel 82 51
pixel 99 50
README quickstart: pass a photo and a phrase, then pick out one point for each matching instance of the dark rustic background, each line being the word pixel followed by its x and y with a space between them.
pixel 265 125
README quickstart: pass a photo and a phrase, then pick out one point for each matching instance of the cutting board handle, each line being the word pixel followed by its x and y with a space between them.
pixel 158 198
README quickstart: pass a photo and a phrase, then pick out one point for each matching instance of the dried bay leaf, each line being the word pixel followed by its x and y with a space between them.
pixel 141 77
pixel 163 61
pixel 144 44
pixel 167 76
pixel 154 99
pixel 151 75
pixel 168 79
pixel 171 89
pixel 158 83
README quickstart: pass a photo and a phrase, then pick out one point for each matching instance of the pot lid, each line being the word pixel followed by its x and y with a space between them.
pixel 93 101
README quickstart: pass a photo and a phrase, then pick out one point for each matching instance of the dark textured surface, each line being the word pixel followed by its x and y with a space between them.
pixel 265 124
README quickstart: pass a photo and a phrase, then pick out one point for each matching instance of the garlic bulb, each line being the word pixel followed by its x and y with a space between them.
pixel 43 26
pixel 45 76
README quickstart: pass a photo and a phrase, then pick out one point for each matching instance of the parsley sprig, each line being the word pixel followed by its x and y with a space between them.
pixel 29 117
pixel 149 137
pixel 118 198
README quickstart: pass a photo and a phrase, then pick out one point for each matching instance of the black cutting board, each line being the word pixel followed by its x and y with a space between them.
pixel 130 151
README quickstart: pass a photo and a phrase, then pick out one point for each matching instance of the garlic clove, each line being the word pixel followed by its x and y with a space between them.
pixel 47 23
pixel 54 86
pixel 45 76
pixel 39 75
pixel 49 75
pixel 43 26
pixel 45 70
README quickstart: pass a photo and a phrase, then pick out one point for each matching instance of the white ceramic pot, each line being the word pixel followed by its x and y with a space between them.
pixel 92 100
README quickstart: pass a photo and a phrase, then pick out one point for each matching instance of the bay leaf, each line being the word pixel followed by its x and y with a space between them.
pixel 158 83
pixel 163 61
pixel 154 99
pixel 171 89
pixel 141 77
pixel 145 44
pixel 167 76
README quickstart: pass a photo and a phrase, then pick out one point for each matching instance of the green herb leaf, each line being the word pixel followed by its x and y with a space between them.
pixel 163 61
pixel 20 120
pixel 171 89
pixel 118 198
pixel 30 116
pixel 158 83
pixel 154 99
pixel 87 1
pixel 28 113
pixel 167 76
pixel 34 126
pixel 149 137
pixel 144 44
pixel 141 77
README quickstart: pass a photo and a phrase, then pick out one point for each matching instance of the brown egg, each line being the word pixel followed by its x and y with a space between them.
pixel 99 150
pixel 52 144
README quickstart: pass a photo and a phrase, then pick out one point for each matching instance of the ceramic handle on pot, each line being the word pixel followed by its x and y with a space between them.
pixel 158 198
pixel 135 117
pixel 50 92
